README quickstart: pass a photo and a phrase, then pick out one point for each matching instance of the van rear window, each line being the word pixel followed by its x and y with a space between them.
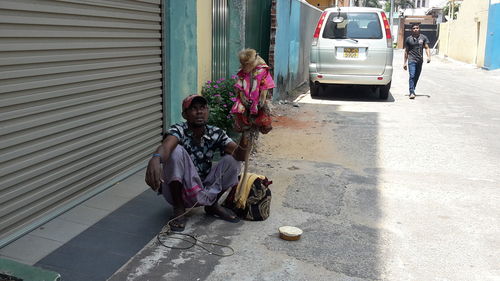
pixel 353 25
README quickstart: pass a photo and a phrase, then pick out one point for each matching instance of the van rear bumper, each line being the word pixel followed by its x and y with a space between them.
pixel 323 78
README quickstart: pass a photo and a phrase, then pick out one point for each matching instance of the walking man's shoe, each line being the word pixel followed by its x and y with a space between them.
pixel 412 96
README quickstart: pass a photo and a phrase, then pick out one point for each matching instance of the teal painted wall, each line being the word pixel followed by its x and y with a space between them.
pixel 181 60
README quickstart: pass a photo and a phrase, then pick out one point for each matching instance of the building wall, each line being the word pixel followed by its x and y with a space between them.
pixel 204 41
pixel 236 39
pixel 258 26
pixel 464 39
pixel 249 27
pixel 323 4
pixel 492 53
pixel 296 22
pixel 421 7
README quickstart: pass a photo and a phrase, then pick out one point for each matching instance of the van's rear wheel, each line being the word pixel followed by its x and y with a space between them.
pixel 384 91
pixel 313 89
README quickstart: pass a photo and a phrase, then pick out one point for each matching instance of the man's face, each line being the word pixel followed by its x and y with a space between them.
pixel 197 114
pixel 415 30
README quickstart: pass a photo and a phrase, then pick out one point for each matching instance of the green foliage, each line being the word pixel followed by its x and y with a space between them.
pixel 447 8
pixel 220 96
pixel 403 4
pixel 367 3
pixel 373 3
pixel 387 7
pixel 398 4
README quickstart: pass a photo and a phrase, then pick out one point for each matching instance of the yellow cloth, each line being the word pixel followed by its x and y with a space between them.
pixel 242 192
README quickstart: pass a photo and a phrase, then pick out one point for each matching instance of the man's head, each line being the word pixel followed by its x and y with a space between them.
pixel 415 29
pixel 195 110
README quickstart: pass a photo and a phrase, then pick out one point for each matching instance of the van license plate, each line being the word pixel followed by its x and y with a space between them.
pixel 351 52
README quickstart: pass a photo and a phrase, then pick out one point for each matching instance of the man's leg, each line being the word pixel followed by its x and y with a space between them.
pixel 178 222
pixel 182 183
pixel 411 71
pixel 223 176
pixel 418 70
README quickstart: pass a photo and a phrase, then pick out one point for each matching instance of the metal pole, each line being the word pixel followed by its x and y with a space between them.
pixel 452 10
pixel 392 13
pixel 449 10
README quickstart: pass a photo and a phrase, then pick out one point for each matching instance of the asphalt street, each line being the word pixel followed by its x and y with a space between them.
pixel 383 190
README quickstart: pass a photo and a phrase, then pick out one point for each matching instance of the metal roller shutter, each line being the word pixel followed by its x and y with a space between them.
pixel 80 101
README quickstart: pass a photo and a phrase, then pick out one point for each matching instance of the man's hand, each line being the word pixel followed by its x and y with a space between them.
pixel 405 67
pixel 428 60
pixel 153 174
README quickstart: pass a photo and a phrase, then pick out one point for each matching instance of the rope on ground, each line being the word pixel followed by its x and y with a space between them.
pixel 166 233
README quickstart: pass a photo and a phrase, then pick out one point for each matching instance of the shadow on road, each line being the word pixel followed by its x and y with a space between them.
pixel 351 93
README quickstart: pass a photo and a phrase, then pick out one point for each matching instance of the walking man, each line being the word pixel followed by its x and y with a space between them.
pixel 414 55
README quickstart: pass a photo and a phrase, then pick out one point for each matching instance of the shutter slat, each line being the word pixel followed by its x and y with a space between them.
pixel 65 78
pixel 58 7
pixel 90 111
pixel 18 71
pixel 43 172
pixel 26 154
pixel 72 183
pixel 33 95
pixel 44 31
pixel 76 99
pixel 36 18
pixel 30 44
pixel 15 58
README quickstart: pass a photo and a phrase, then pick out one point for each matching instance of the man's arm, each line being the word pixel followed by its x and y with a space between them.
pixel 238 150
pixel 405 63
pixel 154 171
pixel 427 52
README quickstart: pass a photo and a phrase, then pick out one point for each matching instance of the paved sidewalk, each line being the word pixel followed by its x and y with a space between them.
pixel 94 239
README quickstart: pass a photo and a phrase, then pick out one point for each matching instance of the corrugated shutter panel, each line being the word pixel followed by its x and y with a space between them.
pixel 80 100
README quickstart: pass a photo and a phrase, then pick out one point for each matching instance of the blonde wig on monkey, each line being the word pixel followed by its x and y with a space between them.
pixel 250 57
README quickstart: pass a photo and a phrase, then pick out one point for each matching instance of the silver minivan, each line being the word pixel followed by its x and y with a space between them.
pixel 352 46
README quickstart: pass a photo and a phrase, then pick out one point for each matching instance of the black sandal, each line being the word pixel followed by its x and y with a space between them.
pixel 178 224
pixel 222 213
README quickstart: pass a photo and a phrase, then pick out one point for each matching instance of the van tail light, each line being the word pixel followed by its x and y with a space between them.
pixel 318 28
pixel 387 31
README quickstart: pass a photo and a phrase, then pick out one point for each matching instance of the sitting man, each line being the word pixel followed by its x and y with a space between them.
pixel 188 176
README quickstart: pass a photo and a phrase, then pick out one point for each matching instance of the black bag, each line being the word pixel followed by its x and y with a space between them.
pixel 258 204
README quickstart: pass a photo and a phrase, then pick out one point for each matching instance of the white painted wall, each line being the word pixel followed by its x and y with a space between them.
pixel 464 39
